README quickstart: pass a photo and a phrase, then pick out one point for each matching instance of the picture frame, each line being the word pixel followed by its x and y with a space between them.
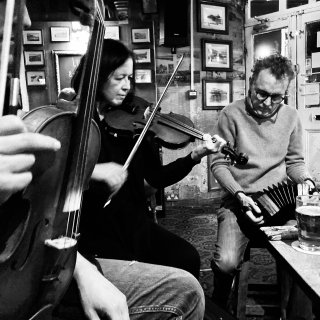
pixel 59 34
pixel 34 57
pixel 66 62
pixel 32 37
pixel 112 32
pixel 142 55
pixel 149 6
pixel 213 17
pixel 141 35
pixel 143 76
pixel 216 55
pixel 36 78
pixel 216 94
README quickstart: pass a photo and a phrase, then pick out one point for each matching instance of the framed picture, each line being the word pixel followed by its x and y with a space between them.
pixel 60 34
pixel 33 37
pixel 143 76
pixel 36 78
pixel 212 17
pixel 141 35
pixel 216 94
pixel 34 58
pixel 112 32
pixel 66 63
pixel 216 55
pixel 142 55
pixel 149 6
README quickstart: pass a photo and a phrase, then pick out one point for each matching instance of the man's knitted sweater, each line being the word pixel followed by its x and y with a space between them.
pixel 274 147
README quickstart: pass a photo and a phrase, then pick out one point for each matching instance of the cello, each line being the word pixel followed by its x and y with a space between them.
pixel 39 228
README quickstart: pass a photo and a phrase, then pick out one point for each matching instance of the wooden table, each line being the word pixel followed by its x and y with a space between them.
pixel 304 267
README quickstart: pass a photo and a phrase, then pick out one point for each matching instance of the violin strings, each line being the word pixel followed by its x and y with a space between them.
pixel 182 124
pixel 179 125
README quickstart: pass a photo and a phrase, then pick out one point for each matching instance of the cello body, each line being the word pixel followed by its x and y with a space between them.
pixel 34 270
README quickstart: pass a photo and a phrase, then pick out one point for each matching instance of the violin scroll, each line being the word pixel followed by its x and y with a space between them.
pixel 235 158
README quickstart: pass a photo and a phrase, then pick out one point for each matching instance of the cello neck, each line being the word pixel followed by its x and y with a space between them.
pixel 86 106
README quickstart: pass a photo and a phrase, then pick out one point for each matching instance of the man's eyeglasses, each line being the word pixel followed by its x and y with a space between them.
pixel 263 95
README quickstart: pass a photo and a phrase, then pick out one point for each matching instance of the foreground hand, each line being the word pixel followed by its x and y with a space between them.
pixel 251 209
pixel 111 173
pixel 208 146
pixel 17 148
pixel 99 297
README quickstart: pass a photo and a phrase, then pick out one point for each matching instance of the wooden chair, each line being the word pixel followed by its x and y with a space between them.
pixel 265 295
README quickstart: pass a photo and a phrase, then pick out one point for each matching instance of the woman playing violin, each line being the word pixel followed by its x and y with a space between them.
pixel 122 229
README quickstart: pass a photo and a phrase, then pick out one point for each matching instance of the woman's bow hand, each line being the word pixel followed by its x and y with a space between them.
pixel 111 173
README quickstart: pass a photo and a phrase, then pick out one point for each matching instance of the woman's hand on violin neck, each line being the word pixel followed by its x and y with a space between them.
pixel 209 145
pixel 110 173
pixel 147 113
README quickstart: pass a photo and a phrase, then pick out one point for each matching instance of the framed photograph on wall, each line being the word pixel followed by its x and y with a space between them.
pixel 142 55
pixel 140 35
pixel 60 34
pixel 66 63
pixel 34 58
pixel 33 37
pixel 143 76
pixel 112 32
pixel 216 55
pixel 36 78
pixel 216 94
pixel 213 17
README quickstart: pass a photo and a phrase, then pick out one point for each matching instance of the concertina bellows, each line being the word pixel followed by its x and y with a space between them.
pixel 277 202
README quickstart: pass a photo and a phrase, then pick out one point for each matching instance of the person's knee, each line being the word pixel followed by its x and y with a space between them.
pixel 187 286
pixel 227 264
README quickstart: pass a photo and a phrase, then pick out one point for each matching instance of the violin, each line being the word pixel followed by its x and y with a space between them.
pixel 174 131
pixel 38 242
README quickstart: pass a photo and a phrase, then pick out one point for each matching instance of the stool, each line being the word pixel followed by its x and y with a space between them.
pixel 241 291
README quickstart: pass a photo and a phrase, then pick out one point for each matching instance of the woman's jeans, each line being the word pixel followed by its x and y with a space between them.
pixel 152 292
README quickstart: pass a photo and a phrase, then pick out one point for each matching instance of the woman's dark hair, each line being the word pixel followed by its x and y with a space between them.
pixel 279 66
pixel 114 54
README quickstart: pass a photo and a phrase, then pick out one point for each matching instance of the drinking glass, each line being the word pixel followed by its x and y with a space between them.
pixel 308 220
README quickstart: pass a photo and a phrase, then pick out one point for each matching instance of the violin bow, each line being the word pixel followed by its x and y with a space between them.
pixel 147 125
pixel 5 51
pixel 15 80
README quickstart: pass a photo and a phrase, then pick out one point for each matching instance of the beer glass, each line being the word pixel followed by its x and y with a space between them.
pixel 308 220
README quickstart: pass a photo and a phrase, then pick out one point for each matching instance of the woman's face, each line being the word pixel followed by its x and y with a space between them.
pixel 118 85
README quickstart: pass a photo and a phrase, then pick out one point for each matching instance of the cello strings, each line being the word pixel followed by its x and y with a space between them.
pixel 80 168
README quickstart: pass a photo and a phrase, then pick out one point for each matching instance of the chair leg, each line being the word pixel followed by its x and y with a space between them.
pixel 243 290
